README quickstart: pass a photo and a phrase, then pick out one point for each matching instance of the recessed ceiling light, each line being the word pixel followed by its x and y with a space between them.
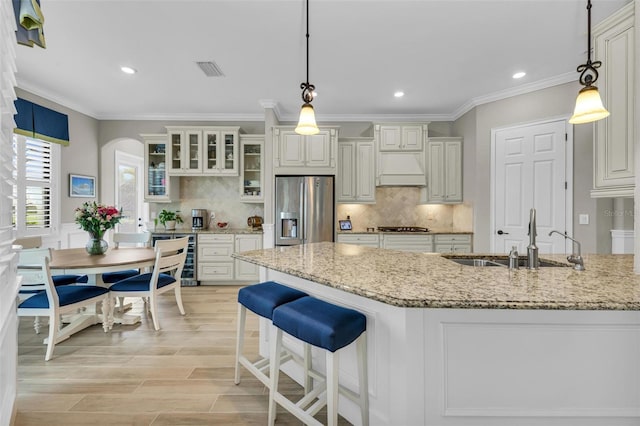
pixel 398 94
pixel 128 70
pixel 519 74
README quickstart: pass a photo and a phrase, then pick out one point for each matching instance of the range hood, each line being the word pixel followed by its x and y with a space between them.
pixel 401 169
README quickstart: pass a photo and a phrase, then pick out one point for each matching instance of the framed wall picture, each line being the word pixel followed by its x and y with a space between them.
pixel 82 186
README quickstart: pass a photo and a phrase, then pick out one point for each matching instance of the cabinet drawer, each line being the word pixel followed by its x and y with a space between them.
pixel 453 238
pixel 215 271
pixel 362 239
pixel 417 243
pixel 215 238
pixel 214 252
pixel 453 248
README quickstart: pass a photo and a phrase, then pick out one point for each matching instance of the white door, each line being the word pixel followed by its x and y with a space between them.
pixel 531 169
pixel 129 191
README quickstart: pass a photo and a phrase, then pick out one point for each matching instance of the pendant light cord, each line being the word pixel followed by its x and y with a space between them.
pixel 588 72
pixel 588 31
pixel 308 40
pixel 307 88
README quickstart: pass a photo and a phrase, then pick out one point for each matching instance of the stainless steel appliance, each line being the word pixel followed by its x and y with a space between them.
pixel 199 219
pixel 304 209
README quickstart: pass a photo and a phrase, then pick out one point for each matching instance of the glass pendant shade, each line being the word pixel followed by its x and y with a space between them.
pixel 588 106
pixel 307 122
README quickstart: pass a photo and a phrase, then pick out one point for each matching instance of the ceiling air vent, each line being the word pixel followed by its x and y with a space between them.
pixel 210 69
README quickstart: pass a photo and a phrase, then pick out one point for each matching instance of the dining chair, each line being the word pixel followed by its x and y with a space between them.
pixel 35 242
pixel 55 301
pixel 167 269
pixel 138 239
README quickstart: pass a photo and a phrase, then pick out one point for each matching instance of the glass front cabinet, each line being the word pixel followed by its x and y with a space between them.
pixel 208 151
pixel 158 187
pixel 252 170
pixel 220 151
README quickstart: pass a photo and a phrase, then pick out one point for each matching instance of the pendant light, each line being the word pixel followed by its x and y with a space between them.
pixel 307 122
pixel 588 104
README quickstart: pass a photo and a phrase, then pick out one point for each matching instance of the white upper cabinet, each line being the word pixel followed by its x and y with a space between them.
pixel 208 151
pixel 400 154
pixel 296 154
pixel 184 151
pixel 400 137
pixel 444 171
pixel 356 171
pixel 613 156
pixel 251 168
pixel 158 186
pixel 220 151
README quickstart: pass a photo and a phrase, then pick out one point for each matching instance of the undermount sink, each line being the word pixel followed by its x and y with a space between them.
pixel 483 262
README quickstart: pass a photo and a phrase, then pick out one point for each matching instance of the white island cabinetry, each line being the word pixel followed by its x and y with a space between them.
pixel 453 345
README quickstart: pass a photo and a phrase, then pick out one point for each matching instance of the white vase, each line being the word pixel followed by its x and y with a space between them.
pixel 170 225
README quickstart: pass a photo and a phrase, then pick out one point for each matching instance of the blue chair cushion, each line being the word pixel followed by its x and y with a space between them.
pixel 114 277
pixel 67 295
pixel 320 323
pixel 141 282
pixel 263 298
pixel 68 279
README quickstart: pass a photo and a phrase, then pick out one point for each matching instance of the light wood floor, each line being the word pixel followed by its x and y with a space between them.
pixel 180 375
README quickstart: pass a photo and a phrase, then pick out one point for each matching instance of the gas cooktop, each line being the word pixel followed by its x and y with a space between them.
pixel 402 229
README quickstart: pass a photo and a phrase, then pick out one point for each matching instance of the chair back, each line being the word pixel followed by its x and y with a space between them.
pixel 28 242
pixel 170 257
pixel 30 268
pixel 140 239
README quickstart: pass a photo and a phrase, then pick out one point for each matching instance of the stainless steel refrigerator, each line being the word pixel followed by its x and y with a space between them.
pixel 304 209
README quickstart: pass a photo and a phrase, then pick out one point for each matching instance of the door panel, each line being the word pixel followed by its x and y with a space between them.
pixel 529 172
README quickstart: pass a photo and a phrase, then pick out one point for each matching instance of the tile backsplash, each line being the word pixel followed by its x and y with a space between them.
pixel 219 195
pixel 400 206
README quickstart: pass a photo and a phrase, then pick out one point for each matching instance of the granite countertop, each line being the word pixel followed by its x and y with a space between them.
pixel 210 231
pixel 429 280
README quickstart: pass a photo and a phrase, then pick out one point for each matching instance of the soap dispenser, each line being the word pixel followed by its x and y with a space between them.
pixel 513 258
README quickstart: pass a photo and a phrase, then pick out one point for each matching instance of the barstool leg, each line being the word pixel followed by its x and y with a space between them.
pixel 242 315
pixel 333 359
pixel 275 345
pixel 363 386
pixel 308 380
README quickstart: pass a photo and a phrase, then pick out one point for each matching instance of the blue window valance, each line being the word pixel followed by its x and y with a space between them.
pixel 38 122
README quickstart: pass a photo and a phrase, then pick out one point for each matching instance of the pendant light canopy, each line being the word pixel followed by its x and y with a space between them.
pixel 588 104
pixel 307 122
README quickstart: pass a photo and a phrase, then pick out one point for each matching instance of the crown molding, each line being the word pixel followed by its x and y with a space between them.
pixel 37 91
pixel 185 117
pixel 514 91
pixel 274 105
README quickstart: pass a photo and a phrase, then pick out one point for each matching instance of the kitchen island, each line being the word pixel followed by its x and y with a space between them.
pixel 450 344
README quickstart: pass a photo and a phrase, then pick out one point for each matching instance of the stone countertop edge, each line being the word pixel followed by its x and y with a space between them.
pixel 210 231
pixel 429 280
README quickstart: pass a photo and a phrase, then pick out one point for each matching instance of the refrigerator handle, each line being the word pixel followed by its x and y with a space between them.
pixel 303 213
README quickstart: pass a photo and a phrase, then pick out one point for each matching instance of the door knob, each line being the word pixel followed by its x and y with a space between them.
pixel 501 232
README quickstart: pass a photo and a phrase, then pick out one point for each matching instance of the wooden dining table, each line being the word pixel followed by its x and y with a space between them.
pixel 78 261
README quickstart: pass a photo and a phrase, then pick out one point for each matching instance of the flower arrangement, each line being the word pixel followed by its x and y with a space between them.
pixel 97 218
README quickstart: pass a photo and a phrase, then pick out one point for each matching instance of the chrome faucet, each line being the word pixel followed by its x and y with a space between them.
pixel 532 249
pixel 576 259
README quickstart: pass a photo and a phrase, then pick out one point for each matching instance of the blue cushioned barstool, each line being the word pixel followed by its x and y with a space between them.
pixel 261 299
pixel 330 327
